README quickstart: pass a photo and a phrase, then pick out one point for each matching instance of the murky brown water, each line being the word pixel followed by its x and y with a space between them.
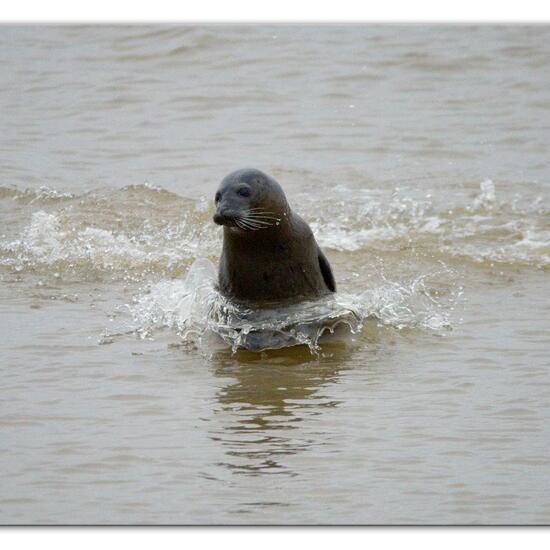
pixel 420 157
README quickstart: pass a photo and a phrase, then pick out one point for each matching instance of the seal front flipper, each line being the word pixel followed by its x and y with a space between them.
pixel 326 270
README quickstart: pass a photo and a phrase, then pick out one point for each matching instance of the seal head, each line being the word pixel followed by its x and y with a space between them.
pixel 269 252
pixel 250 200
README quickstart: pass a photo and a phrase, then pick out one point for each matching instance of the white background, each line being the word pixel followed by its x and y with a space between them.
pixel 281 10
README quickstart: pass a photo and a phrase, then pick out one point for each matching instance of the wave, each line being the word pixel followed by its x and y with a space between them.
pixel 485 230
pixel 146 232
pixel 130 234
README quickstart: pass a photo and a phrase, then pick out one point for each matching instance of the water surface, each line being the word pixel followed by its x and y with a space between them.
pixel 419 157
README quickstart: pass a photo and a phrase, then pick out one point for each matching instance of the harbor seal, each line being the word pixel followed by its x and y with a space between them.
pixel 269 252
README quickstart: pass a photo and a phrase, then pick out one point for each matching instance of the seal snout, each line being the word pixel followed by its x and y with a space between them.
pixel 223 217
pixel 219 218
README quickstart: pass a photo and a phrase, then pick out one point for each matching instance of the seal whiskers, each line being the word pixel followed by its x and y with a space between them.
pixel 260 218
pixel 242 223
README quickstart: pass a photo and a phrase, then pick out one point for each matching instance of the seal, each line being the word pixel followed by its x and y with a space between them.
pixel 269 252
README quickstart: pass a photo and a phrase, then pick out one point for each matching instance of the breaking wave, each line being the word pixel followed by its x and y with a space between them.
pixel 142 232
pixel 130 234
pixel 515 232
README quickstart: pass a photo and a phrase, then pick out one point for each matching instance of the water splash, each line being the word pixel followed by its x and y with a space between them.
pixel 194 310
pixel 181 305
pixel 487 196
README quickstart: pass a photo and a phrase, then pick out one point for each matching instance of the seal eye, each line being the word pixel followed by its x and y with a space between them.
pixel 217 197
pixel 243 191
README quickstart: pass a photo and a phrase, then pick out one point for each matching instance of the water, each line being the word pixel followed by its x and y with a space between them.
pixel 419 157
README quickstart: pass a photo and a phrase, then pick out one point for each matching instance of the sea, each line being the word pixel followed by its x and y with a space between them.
pixel 419 156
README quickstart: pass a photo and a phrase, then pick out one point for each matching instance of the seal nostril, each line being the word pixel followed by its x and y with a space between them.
pixel 218 218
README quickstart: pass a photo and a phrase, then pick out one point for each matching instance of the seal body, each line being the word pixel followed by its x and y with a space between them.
pixel 269 252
